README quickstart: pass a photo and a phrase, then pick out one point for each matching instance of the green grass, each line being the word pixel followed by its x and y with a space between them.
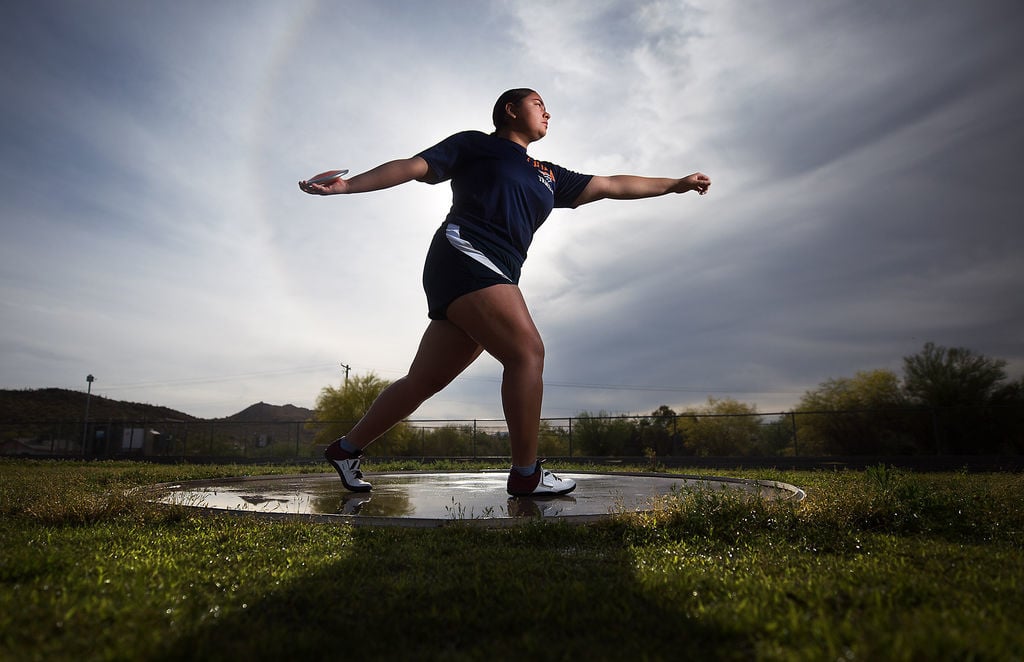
pixel 874 565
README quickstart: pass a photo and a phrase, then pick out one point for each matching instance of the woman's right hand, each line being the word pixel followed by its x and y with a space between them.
pixel 334 187
pixel 383 176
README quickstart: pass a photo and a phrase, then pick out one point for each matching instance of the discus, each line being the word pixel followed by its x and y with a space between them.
pixel 327 177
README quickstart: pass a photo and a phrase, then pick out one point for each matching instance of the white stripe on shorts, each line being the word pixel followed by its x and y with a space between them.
pixel 470 251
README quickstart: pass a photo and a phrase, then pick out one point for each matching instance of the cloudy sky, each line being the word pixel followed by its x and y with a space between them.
pixel 866 160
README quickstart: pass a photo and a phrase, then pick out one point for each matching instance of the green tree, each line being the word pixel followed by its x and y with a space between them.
pixel 720 427
pixel 552 441
pixel 339 408
pixel 957 386
pixel 604 435
pixel 775 437
pixel 1008 417
pixel 660 432
pixel 951 376
pixel 449 441
pixel 862 414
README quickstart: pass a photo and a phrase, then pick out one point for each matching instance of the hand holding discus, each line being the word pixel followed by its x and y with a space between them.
pixel 326 183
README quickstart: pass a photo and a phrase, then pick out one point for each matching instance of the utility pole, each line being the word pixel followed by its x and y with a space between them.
pixel 347 368
pixel 88 394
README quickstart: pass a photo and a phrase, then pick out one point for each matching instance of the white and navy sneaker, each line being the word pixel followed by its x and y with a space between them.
pixel 540 483
pixel 347 466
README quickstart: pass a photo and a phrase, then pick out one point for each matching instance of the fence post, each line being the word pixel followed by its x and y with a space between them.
pixel 570 436
pixel 792 418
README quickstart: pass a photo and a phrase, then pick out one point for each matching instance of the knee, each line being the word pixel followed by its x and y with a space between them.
pixel 527 354
pixel 537 352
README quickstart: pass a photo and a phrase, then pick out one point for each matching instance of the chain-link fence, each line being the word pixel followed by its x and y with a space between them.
pixel 889 432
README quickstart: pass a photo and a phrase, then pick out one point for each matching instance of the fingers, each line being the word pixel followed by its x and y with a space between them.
pixel 700 182
pixel 313 189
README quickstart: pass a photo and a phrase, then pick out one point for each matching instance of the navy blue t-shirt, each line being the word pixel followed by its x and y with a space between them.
pixel 500 196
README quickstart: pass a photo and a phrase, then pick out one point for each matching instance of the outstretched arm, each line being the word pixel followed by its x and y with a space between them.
pixel 383 176
pixel 632 187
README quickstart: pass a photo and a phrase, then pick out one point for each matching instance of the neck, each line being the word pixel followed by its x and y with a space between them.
pixel 514 136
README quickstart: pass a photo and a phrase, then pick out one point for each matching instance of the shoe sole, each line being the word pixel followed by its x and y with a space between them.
pixel 538 495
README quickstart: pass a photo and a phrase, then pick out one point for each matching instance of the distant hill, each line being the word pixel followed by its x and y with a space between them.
pixel 59 404
pixel 261 412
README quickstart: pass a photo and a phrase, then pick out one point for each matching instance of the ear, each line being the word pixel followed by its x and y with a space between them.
pixel 508 109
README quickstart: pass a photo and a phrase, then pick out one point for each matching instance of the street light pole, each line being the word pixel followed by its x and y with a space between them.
pixel 88 394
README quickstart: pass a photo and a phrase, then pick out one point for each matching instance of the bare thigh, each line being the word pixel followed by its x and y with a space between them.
pixel 497 319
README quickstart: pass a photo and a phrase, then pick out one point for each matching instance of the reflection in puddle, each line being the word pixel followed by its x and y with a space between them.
pixel 550 507
pixel 259 500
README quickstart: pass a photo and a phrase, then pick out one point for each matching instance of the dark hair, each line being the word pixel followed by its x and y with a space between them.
pixel 511 96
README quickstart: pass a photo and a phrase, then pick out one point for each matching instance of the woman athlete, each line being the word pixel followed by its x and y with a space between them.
pixel 500 197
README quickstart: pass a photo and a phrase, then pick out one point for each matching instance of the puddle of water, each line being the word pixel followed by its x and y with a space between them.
pixel 439 497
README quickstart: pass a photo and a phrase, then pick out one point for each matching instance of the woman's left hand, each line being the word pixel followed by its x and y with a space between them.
pixel 698 182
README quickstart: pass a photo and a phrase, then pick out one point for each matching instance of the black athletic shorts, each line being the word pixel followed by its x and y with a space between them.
pixel 454 268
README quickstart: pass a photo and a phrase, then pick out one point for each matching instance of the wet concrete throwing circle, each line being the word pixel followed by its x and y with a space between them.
pixel 435 499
